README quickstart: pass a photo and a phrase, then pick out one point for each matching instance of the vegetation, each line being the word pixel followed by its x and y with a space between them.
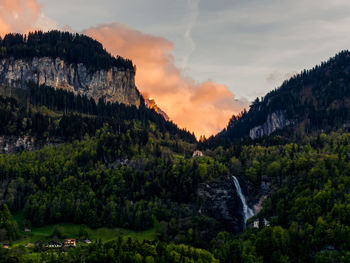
pixel 122 250
pixel 8 228
pixel 316 99
pixel 307 206
pixel 68 117
pixel 126 178
pixel 72 48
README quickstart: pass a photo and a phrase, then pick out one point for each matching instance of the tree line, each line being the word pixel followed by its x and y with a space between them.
pixel 71 47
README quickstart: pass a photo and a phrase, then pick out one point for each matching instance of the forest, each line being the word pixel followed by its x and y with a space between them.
pixel 49 113
pixel 314 100
pixel 72 48
pixel 111 180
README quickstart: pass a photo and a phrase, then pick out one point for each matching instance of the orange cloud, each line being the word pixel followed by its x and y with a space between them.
pixel 204 108
pixel 18 16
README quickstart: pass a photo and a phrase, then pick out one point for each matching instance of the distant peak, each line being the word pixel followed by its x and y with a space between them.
pixel 151 104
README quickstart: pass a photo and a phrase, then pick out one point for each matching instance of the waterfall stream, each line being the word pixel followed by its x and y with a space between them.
pixel 248 212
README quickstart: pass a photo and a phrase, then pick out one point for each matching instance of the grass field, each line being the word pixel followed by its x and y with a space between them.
pixel 72 231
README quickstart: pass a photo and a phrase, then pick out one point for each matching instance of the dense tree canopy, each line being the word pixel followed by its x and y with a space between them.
pixel 73 48
pixel 314 100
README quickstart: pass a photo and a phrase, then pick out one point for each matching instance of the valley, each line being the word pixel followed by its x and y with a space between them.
pixel 109 166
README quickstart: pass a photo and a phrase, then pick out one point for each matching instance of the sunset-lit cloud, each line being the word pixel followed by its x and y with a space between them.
pixel 204 108
pixel 21 16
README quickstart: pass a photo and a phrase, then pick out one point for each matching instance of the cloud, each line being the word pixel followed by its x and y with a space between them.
pixel 193 6
pixel 204 108
pixel 21 16
pixel 277 76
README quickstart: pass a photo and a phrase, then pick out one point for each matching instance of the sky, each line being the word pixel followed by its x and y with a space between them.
pixel 201 60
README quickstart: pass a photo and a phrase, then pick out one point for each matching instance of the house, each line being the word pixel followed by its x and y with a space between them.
pixel 54 244
pixel 26 229
pixel 256 223
pixel 70 242
pixel 261 224
pixel 87 241
pixel 197 154
pixel 266 223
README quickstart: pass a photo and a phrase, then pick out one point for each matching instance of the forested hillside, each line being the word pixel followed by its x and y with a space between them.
pixel 314 100
pixel 110 168
pixel 72 48
pixel 44 113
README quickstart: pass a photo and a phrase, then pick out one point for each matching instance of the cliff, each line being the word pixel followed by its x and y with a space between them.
pixel 114 84
pixel 274 121
pixel 221 201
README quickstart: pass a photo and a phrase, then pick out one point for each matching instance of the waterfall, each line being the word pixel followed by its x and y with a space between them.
pixel 248 212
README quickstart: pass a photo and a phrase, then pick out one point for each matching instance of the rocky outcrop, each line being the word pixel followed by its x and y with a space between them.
pixel 256 195
pixel 151 104
pixel 114 85
pixel 10 145
pixel 274 121
pixel 220 201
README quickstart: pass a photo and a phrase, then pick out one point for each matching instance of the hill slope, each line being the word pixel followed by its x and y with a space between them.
pixel 316 99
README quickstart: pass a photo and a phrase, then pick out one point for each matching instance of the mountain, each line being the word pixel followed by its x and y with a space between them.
pixel 314 100
pixel 67 61
pixel 151 104
pixel 58 86
pixel 131 186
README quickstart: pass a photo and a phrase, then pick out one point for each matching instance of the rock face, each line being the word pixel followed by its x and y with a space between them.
pixel 275 121
pixel 114 85
pixel 256 195
pixel 11 145
pixel 220 201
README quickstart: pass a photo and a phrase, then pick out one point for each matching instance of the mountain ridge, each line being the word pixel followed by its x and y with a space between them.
pixel 314 100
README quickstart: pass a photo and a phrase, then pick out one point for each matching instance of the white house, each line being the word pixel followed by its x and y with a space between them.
pixel 197 154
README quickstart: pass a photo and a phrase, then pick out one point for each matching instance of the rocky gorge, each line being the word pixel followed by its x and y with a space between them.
pixel 232 201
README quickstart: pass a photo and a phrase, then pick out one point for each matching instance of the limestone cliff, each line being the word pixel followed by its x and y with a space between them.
pixel 114 85
pixel 274 121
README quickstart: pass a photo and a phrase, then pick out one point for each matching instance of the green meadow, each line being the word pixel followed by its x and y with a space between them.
pixel 68 230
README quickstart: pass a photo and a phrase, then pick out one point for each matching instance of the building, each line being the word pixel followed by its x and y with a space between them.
pixel 261 224
pixel 27 229
pixel 70 242
pixel 87 241
pixel 197 154
pixel 266 223
pixel 256 224
pixel 6 245
pixel 54 244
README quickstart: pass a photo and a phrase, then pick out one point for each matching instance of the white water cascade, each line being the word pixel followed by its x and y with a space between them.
pixel 248 212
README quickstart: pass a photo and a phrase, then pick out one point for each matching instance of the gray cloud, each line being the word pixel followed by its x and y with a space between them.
pixel 238 43
pixel 193 6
